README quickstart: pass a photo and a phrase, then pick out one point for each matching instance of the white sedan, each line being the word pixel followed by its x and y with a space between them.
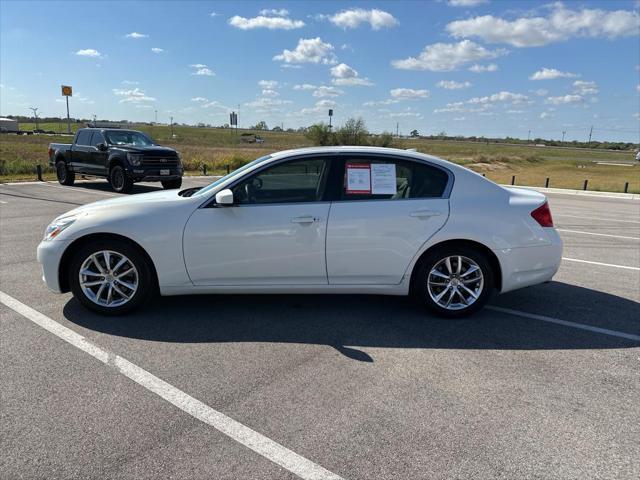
pixel 316 220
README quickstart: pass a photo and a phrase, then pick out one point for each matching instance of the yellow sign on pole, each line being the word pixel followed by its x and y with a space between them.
pixel 67 91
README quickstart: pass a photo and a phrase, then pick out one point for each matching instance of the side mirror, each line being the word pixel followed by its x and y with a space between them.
pixel 224 197
pixel 102 147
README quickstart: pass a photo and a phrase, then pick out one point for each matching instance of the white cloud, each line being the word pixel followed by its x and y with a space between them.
pixel 157 50
pixel 482 104
pixel 443 57
pixel 561 24
pixel 491 67
pixel 200 69
pixel 541 92
pixel 459 119
pixel 544 115
pixel 453 85
pixel 89 52
pixel 267 104
pixel 582 87
pixel 268 92
pixel 377 19
pixel 465 3
pixel 408 93
pixel 215 104
pixel 305 86
pixel 565 99
pixel 269 84
pixel 346 76
pixel 213 14
pixel 130 82
pixel 551 74
pixel 309 50
pixel 503 96
pixel 282 12
pixel 132 96
pixel 321 107
pixel 136 35
pixel 389 101
pixel 199 99
pixel 261 21
pixel 325 91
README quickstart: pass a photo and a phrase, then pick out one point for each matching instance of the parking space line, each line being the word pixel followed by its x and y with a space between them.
pixel 595 218
pixel 600 263
pixel 257 442
pixel 566 323
pixel 597 234
pixel 75 189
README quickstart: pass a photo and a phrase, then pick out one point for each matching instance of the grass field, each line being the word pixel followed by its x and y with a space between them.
pixel 219 148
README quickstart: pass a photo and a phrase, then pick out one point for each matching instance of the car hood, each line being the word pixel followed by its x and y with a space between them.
pixel 126 204
pixel 151 150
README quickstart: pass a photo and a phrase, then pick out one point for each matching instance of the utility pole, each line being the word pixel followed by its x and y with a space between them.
pixel 563 133
pixel 156 120
pixel 171 127
pixel 397 129
pixel 35 114
pixel 94 120
pixel 68 117
pixel 529 136
pixel 590 133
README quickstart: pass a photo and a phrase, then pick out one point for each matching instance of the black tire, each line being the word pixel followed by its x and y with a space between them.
pixel 170 184
pixel 119 180
pixel 483 289
pixel 147 286
pixel 65 176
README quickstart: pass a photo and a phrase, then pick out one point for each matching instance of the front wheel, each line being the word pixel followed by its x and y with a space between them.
pixel 119 180
pixel 111 277
pixel 64 175
pixel 454 282
pixel 171 184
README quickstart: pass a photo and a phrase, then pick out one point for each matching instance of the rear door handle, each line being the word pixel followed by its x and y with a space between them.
pixel 425 213
pixel 304 219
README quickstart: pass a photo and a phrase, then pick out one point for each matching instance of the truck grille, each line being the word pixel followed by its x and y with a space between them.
pixel 160 162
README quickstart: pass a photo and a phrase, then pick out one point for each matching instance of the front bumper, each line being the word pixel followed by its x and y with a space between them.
pixel 154 175
pixel 49 255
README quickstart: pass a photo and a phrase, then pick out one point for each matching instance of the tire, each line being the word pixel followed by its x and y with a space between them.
pixel 169 184
pixel 65 176
pixel 433 270
pixel 141 276
pixel 119 180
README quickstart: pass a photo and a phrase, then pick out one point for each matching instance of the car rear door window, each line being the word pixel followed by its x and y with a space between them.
pixel 391 179
pixel 295 181
pixel 83 138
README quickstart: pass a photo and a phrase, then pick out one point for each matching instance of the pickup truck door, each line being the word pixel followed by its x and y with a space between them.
pixel 96 159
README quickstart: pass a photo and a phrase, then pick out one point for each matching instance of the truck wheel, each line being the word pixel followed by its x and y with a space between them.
pixel 169 184
pixel 65 177
pixel 119 180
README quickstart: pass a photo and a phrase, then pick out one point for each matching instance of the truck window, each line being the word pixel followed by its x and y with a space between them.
pixel 83 137
pixel 97 138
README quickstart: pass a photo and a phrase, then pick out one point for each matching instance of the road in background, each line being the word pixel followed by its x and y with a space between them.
pixel 364 386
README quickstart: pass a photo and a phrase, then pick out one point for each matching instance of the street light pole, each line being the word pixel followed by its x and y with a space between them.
pixel 171 127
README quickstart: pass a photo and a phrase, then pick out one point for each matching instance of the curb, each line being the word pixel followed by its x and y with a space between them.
pixel 583 193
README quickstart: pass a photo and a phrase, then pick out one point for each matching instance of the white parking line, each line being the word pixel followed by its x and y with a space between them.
pixel 596 218
pixel 257 442
pixel 76 189
pixel 597 234
pixel 600 263
pixel 566 323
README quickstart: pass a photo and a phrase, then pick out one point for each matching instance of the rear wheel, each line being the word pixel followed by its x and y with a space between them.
pixel 119 180
pixel 64 175
pixel 454 281
pixel 111 277
pixel 170 184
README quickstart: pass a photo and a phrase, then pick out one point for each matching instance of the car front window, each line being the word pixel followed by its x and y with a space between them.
pixel 220 181
pixel 129 138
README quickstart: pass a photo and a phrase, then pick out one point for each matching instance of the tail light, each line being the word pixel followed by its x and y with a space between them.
pixel 50 151
pixel 542 215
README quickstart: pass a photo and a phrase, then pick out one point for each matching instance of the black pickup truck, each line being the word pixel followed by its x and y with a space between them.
pixel 121 156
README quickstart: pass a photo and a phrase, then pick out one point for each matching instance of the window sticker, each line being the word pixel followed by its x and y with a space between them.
pixel 383 179
pixel 358 178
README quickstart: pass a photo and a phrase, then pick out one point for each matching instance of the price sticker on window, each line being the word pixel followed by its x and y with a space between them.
pixel 358 178
pixel 383 179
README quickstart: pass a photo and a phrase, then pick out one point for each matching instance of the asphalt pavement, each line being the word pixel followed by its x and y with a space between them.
pixel 542 384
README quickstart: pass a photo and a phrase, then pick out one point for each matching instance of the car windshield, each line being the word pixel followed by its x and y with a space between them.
pixel 213 185
pixel 124 137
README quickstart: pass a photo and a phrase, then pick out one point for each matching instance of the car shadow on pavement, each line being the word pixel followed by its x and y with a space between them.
pixel 104 186
pixel 347 322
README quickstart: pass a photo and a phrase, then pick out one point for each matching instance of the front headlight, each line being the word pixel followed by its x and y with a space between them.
pixel 57 226
pixel 135 159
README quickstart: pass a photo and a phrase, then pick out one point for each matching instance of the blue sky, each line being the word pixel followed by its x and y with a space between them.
pixel 470 67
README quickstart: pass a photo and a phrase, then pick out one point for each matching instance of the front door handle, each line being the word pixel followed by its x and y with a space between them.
pixel 425 213
pixel 304 219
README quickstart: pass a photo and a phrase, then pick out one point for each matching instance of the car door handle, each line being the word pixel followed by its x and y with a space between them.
pixel 304 219
pixel 425 213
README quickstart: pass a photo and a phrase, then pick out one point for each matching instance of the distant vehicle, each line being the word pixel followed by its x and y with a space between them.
pixel 251 138
pixel 8 125
pixel 351 220
pixel 638 156
pixel 121 156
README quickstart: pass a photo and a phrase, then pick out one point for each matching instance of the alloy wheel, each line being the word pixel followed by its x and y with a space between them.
pixel 108 278
pixel 455 282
